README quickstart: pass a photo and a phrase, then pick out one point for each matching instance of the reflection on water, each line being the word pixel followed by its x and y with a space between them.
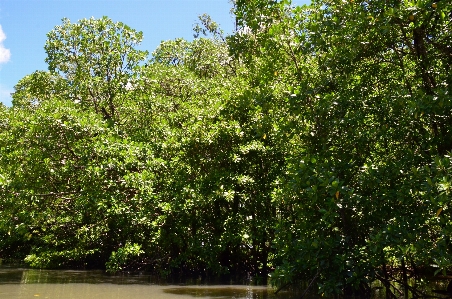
pixel 28 276
pixel 18 283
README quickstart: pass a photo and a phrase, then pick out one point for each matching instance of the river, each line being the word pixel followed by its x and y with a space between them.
pixel 21 283
pixel 17 283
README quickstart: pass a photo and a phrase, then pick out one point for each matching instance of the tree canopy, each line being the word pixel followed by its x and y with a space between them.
pixel 311 144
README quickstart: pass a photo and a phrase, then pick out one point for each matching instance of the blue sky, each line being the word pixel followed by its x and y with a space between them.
pixel 25 23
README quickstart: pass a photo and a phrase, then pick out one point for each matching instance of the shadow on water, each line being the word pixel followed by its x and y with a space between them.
pixel 225 292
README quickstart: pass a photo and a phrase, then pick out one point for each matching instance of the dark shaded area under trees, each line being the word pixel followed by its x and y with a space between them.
pixel 312 144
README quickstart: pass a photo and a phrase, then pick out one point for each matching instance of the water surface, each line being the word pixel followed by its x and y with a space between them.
pixel 18 283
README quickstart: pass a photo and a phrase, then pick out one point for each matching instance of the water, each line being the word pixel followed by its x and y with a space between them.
pixel 36 284
pixel 16 283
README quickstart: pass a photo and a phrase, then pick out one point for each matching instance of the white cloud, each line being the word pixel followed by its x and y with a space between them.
pixel 5 54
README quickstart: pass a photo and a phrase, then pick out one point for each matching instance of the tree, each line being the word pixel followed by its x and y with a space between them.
pixel 98 60
pixel 315 141
pixel 93 65
pixel 72 191
pixel 366 132
pixel 40 86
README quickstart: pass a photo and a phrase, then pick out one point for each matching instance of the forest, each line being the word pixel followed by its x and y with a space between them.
pixel 312 144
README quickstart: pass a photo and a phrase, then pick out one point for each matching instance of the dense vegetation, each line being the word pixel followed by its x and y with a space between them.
pixel 313 143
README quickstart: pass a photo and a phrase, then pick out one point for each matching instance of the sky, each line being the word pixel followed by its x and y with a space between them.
pixel 25 23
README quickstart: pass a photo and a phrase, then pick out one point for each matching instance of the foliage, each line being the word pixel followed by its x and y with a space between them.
pixel 98 59
pixel 123 256
pixel 367 126
pixel 40 86
pixel 312 144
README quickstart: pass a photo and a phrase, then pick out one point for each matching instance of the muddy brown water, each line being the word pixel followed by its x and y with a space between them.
pixel 21 283
pixel 17 283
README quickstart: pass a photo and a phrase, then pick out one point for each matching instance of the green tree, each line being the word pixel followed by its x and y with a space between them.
pixel 314 142
pixel 367 124
pixel 56 135
pixel 73 191
pixel 98 59
pixel 40 86
pixel 201 135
